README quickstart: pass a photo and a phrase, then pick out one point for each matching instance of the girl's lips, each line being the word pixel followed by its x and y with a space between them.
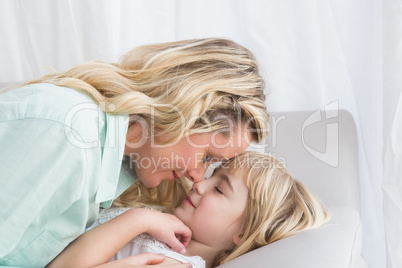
pixel 188 199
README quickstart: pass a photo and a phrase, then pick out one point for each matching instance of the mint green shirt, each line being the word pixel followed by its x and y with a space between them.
pixel 60 159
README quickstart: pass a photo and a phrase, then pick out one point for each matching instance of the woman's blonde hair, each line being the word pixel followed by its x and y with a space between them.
pixel 178 88
pixel 278 206
pixel 166 196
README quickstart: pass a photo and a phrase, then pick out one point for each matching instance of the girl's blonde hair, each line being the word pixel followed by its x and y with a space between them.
pixel 277 207
pixel 178 88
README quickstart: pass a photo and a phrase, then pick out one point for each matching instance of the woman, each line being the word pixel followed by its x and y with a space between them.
pixel 170 108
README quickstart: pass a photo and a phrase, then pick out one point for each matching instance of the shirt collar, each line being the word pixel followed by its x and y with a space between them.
pixel 113 149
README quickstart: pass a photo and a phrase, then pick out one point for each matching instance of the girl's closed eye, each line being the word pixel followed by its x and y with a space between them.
pixel 218 190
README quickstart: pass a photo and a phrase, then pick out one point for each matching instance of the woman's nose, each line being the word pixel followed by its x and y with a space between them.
pixel 197 174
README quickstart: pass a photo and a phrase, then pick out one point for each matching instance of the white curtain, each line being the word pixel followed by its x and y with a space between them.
pixel 392 114
pixel 311 53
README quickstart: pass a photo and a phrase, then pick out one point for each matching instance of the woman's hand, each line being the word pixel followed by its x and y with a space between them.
pixel 166 228
pixel 143 260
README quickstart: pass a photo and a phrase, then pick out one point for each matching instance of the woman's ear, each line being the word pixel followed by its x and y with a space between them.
pixel 237 238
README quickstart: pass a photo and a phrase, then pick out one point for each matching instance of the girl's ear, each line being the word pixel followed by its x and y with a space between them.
pixel 236 239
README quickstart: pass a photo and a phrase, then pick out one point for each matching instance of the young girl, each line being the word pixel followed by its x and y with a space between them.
pixel 248 202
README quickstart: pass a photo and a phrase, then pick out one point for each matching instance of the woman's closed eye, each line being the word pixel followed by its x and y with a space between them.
pixel 206 159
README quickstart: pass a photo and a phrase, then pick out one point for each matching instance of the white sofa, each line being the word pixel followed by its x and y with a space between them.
pixel 320 149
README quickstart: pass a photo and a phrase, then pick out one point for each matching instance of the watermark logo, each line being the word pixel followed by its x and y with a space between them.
pixel 117 128
pixel 330 155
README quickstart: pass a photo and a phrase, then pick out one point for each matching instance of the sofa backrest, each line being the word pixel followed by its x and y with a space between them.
pixel 320 149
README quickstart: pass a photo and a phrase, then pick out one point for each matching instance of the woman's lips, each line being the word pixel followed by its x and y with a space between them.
pixel 188 199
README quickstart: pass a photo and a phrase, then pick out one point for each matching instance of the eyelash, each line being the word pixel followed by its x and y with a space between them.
pixel 206 159
pixel 218 190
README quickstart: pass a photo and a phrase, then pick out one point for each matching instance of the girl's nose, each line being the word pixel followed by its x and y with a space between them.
pixel 199 187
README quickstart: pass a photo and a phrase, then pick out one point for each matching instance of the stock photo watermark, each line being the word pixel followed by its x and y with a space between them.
pixel 330 155
pixel 117 128
pixel 317 134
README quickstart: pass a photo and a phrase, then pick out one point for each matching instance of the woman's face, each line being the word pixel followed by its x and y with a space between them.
pixel 189 157
pixel 213 209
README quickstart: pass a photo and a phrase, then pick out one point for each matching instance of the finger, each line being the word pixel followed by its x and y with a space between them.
pixel 156 260
pixel 185 239
pixel 148 259
pixel 181 240
pixel 185 235
pixel 176 245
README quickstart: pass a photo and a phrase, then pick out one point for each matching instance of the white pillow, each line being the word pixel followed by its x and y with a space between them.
pixel 335 245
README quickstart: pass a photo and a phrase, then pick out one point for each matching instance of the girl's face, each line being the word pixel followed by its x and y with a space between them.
pixel 189 157
pixel 213 209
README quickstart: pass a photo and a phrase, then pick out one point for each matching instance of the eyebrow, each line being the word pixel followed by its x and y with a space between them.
pixel 221 157
pixel 227 180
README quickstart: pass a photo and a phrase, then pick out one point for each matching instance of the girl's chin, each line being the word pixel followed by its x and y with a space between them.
pixel 178 212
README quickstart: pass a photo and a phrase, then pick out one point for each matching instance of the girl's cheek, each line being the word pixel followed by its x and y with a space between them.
pixel 213 204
